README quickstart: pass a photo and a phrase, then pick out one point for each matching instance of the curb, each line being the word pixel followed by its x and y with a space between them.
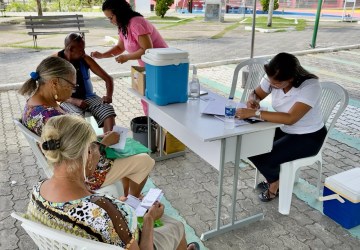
pixel 16 86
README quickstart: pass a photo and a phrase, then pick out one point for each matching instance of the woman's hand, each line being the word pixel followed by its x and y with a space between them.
pixel 122 58
pixel 96 54
pixel 156 210
pixel 110 138
pixel 254 101
pixel 245 113
pixel 253 104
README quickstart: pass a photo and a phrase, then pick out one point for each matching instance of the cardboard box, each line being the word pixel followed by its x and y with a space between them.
pixel 138 76
pixel 171 143
pixel 347 185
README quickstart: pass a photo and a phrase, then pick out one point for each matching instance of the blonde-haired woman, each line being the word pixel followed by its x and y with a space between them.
pixel 53 82
pixel 64 202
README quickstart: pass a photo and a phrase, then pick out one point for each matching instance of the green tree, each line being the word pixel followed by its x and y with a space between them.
pixel 162 6
pixel 265 5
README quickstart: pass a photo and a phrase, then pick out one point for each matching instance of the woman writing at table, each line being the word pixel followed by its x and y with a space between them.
pixel 296 97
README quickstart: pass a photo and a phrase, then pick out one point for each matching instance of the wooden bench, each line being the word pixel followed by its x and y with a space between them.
pixel 3 9
pixel 48 25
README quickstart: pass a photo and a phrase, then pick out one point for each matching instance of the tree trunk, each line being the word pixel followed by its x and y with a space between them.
pixel 38 2
pixel 270 14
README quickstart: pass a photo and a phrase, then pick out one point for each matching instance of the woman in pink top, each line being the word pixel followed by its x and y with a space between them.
pixel 136 34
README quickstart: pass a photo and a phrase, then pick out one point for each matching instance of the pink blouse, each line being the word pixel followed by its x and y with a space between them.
pixel 140 26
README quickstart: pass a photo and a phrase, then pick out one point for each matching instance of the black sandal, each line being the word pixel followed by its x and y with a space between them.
pixel 268 196
pixel 263 186
pixel 196 245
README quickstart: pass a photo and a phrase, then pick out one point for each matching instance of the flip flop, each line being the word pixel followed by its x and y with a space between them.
pixel 197 246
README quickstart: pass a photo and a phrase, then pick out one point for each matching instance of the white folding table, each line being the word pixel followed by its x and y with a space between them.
pixel 206 136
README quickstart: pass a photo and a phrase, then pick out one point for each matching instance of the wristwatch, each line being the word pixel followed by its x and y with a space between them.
pixel 258 113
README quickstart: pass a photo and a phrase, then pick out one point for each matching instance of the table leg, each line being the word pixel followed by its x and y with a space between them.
pixel 161 156
pixel 234 224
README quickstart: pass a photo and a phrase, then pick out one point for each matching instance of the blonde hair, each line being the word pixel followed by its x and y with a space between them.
pixel 49 68
pixel 74 135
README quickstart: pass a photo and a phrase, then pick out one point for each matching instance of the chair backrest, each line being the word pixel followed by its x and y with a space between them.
pixel 49 238
pixel 252 73
pixel 116 189
pixel 34 141
pixel 334 100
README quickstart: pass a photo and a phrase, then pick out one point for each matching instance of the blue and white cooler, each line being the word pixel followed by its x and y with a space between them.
pixel 167 73
pixel 342 198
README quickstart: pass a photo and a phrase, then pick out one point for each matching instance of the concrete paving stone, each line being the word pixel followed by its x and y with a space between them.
pixel 13 150
pixel 31 172
pixel 292 242
pixel 3 165
pixel 6 203
pixel 12 147
pixel 20 192
pixel 4 176
pixel 25 151
pixel 5 188
pixel 349 155
pixel 20 205
pixel 13 158
pixel 317 244
pixel 10 239
pixel 7 223
pixel 327 239
pixel 28 160
pixel 26 242
pixel 350 162
pixel 328 147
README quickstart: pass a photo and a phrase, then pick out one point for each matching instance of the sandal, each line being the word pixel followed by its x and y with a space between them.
pixel 196 245
pixel 268 196
pixel 263 186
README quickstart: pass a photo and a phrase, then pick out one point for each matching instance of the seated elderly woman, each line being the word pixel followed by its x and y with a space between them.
pixel 53 82
pixel 64 202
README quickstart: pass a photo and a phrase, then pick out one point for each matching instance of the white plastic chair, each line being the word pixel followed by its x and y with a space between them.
pixel 252 73
pixel 49 238
pixel 334 100
pixel 33 141
pixel 116 189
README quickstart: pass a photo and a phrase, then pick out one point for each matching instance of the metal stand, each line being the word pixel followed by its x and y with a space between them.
pixel 234 224
pixel 160 156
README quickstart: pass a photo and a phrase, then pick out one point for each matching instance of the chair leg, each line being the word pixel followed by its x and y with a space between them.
pixel 287 177
pixel 319 163
pixel 256 181
pixel 297 175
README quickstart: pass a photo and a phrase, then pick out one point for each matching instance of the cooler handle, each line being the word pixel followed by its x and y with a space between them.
pixel 331 197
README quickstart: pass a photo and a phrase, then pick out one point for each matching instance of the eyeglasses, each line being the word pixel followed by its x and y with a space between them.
pixel 278 84
pixel 110 17
pixel 73 85
pixel 101 146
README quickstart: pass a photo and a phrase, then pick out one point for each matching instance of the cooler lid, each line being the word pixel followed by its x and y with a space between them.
pixel 346 184
pixel 153 60
pixel 166 53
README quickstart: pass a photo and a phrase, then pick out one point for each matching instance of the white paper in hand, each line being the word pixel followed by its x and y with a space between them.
pixel 123 135
pixel 153 195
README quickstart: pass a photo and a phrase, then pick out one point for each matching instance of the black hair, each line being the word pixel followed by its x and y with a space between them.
pixel 123 12
pixel 286 66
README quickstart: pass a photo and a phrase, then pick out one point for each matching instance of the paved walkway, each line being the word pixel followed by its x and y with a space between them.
pixel 190 183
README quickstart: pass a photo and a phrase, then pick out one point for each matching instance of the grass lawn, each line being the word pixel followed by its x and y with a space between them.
pixel 277 23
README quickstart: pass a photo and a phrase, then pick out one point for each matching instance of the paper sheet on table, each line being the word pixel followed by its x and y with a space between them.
pixel 215 107
pixel 123 135
pixel 238 122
